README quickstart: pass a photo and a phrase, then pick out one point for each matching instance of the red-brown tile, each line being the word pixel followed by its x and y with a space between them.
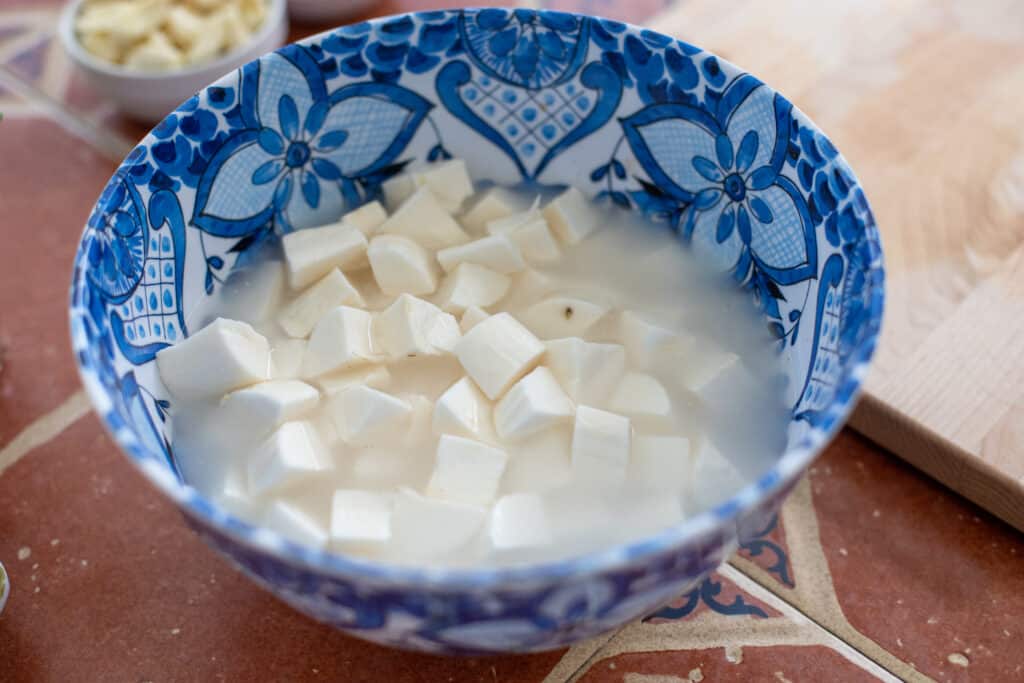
pixel 779 663
pixel 116 588
pixel 49 181
pixel 922 572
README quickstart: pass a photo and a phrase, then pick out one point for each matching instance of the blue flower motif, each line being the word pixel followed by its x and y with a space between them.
pixel 303 154
pixel 300 155
pixel 526 47
pixel 724 165
pixel 116 241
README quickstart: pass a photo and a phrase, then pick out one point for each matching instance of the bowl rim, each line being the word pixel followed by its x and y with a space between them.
pixel 327 563
pixel 277 13
pixel 5 586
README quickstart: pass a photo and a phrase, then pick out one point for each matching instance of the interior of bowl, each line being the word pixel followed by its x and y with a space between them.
pixel 627 115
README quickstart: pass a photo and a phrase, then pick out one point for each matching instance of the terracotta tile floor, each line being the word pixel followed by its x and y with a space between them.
pixel 871 571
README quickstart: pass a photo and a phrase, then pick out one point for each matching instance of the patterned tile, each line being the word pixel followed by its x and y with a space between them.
pixel 729 629
pixel 107 576
pixel 914 576
pixel 715 594
pixel 779 663
pixel 48 182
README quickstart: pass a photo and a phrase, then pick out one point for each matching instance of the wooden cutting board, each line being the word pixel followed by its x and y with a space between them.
pixel 926 100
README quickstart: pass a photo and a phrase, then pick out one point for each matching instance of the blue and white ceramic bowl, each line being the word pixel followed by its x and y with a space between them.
pixel 640 119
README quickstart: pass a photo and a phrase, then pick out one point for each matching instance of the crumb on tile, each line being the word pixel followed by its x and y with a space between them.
pixel 958 659
pixel 24 552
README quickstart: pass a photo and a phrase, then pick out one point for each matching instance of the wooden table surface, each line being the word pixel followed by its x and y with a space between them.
pixel 871 571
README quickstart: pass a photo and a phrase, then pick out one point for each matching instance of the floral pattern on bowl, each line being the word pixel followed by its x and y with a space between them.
pixel 631 117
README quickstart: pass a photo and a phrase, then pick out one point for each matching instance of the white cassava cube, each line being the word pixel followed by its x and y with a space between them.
pixel 223 356
pixel 506 225
pixel 471 316
pixel 588 371
pixel 714 480
pixel 397 189
pixel 540 462
pixel 571 217
pixel 661 462
pixel 562 316
pixel 293 454
pixel 493 204
pixel 364 416
pixel 645 341
pixel 466 471
pixel 423 219
pixel 234 492
pixel 497 352
pixel 463 410
pixel 286 358
pixel 300 316
pixel 400 265
pixel 425 528
pixel 534 403
pixel 519 520
pixel 535 241
pixel 375 376
pixel 414 327
pixel 311 254
pixel 418 429
pixel 497 252
pixel 340 340
pixel 268 404
pixel 600 446
pixel 382 468
pixel 367 218
pixel 449 181
pixel 527 288
pixel 719 377
pixel 640 396
pixel 360 517
pixel 294 523
pixel 471 285
pixel 254 292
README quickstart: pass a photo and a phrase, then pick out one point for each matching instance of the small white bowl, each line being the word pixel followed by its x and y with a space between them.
pixel 150 95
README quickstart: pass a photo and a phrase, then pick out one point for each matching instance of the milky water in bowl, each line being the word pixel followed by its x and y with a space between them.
pixel 608 386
